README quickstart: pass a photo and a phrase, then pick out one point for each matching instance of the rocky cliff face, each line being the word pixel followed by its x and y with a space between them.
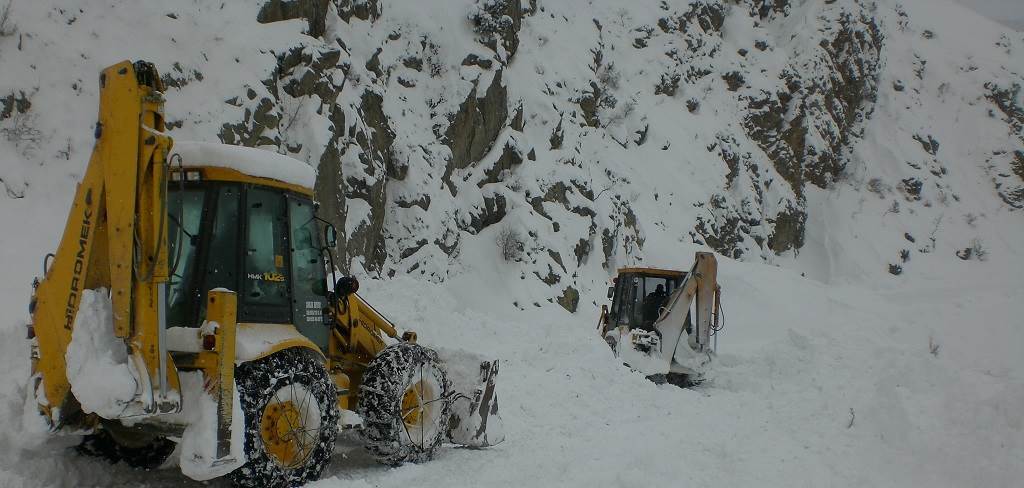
pixel 793 124
pixel 581 133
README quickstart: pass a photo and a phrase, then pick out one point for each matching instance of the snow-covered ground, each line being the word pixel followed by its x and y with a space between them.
pixel 815 385
pixel 831 370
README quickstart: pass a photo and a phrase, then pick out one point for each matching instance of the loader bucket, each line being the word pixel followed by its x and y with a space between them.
pixel 475 421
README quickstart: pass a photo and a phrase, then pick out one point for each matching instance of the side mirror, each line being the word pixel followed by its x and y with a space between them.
pixel 346 286
pixel 611 292
pixel 330 235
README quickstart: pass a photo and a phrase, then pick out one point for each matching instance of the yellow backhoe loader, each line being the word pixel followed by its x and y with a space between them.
pixel 188 303
pixel 662 322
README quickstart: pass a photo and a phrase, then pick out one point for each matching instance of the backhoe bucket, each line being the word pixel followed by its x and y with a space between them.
pixel 475 420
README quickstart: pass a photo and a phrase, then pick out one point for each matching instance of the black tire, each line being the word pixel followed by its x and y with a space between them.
pixel 413 374
pixel 681 380
pixel 611 340
pixel 145 453
pixel 298 375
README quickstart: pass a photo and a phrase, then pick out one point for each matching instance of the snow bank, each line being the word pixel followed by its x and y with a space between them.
pixel 248 160
pixel 97 361
pixel 254 340
pixel 198 445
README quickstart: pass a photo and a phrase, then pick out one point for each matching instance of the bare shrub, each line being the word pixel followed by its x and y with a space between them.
pixel 976 250
pixel 490 20
pixel 893 209
pixel 608 75
pixel 971 219
pixel 935 230
pixel 13 190
pixel 65 152
pixel 624 112
pixel 979 250
pixel 22 132
pixel 7 27
pixel 878 187
pixel 510 243
pixel 903 21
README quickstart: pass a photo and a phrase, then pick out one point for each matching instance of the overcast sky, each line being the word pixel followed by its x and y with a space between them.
pixel 1008 11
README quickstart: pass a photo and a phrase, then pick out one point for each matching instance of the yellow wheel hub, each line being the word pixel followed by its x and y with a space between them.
pixel 414 403
pixel 285 435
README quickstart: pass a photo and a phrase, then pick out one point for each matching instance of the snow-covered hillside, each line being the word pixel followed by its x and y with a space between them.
pixel 772 131
pixel 859 166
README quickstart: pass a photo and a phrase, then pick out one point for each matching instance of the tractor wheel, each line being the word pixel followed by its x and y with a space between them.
pixel 405 403
pixel 145 453
pixel 291 415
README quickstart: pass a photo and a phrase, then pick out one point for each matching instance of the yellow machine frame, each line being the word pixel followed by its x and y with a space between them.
pixel 115 238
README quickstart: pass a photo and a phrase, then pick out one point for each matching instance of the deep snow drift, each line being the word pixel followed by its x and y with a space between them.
pixel 845 376
pixel 815 385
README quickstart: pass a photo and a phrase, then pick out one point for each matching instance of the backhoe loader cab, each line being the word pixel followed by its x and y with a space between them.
pixel 258 236
pixel 195 274
pixel 662 322
pixel 639 294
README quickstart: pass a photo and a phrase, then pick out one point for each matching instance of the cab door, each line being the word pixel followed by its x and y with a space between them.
pixel 308 277
pixel 266 281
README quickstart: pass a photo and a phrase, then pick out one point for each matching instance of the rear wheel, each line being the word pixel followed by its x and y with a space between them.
pixel 291 416
pixel 681 380
pixel 405 403
pixel 139 451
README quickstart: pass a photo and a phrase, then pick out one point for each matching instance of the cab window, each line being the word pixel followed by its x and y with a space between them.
pixel 265 282
pixel 185 212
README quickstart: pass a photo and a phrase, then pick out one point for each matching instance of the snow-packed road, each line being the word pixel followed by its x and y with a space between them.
pixel 815 385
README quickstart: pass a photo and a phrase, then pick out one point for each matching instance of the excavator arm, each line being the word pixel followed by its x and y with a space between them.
pixel 701 284
pixel 114 239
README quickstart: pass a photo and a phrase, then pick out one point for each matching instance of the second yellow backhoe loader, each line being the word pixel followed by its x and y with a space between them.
pixel 188 304
pixel 662 322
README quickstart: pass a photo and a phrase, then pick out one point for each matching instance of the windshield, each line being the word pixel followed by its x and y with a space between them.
pixel 639 298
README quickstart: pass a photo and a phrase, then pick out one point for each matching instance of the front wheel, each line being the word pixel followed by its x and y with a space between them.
pixel 291 415
pixel 405 403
